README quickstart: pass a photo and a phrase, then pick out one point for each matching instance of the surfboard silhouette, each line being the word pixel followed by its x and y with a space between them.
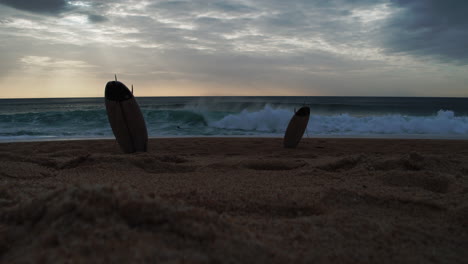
pixel 125 118
pixel 296 127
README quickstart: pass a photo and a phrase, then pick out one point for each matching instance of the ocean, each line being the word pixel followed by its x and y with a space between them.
pixel 86 118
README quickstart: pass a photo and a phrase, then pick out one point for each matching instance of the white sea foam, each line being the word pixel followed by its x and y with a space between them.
pixel 264 120
pixel 276 120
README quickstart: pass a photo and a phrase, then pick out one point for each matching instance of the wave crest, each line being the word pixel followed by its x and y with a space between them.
pixel 276 120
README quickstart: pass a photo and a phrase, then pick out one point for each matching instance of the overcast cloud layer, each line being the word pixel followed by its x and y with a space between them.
pixel 248 47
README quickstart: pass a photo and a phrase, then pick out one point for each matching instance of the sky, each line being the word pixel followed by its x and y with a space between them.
pixel 69 48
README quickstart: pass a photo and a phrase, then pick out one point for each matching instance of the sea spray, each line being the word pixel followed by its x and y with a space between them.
pixel 265 120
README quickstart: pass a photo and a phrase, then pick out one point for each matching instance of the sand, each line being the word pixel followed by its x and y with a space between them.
pixel 235 200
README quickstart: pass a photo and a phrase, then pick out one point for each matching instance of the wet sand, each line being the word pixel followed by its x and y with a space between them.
pixel 235 200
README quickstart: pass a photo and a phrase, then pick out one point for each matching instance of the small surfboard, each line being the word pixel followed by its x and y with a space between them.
pixel 125 118
pixel 296 127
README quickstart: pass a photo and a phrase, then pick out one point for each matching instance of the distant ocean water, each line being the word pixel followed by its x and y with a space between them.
pixel 74 118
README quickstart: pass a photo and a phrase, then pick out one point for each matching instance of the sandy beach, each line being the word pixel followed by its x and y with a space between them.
pixel 235 200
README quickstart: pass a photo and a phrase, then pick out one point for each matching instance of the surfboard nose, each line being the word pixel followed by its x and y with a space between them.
pixel 304 111
pixel 117 91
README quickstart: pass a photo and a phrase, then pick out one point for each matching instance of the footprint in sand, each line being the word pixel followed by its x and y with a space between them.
pixel 155 165
pixel 25 171
pixel 412 162
pixel 172 159
pixel 283 209
pixel 434 182
pixel 273 165
pixel 460 215
pixel 346 163
pixel 349 199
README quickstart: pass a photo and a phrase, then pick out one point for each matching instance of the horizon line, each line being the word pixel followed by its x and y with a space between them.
pixel 171 96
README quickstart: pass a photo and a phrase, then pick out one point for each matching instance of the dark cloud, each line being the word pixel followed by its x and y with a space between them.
pixel 38 6
pixel 233 7
pixel 97 18
pixel 429 28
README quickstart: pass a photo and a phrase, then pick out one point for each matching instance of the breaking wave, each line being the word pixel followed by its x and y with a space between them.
pixel 266 121
pixel 270 120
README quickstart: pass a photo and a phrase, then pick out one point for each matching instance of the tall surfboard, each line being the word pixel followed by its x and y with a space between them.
pixel 296 127
pixel 125 118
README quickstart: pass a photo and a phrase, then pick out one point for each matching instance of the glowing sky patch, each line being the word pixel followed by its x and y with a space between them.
pixel 373 14
pixel 73 20
pixel 79 3
pixel 48 62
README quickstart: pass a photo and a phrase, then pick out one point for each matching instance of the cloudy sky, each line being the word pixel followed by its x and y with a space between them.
pixel 69 48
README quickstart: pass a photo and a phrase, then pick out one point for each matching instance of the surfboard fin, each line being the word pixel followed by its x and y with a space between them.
pixel 132 88
pixel 115 75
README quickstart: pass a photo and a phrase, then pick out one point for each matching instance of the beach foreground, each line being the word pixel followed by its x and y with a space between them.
pixel 236 200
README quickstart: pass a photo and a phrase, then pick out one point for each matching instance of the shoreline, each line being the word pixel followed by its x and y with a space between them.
pixel 402 136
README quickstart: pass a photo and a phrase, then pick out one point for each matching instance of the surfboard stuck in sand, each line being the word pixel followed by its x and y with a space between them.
pixel 125 118
pixel 296 127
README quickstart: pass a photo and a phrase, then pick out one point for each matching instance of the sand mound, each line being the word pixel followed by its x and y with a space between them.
pixel 85 223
